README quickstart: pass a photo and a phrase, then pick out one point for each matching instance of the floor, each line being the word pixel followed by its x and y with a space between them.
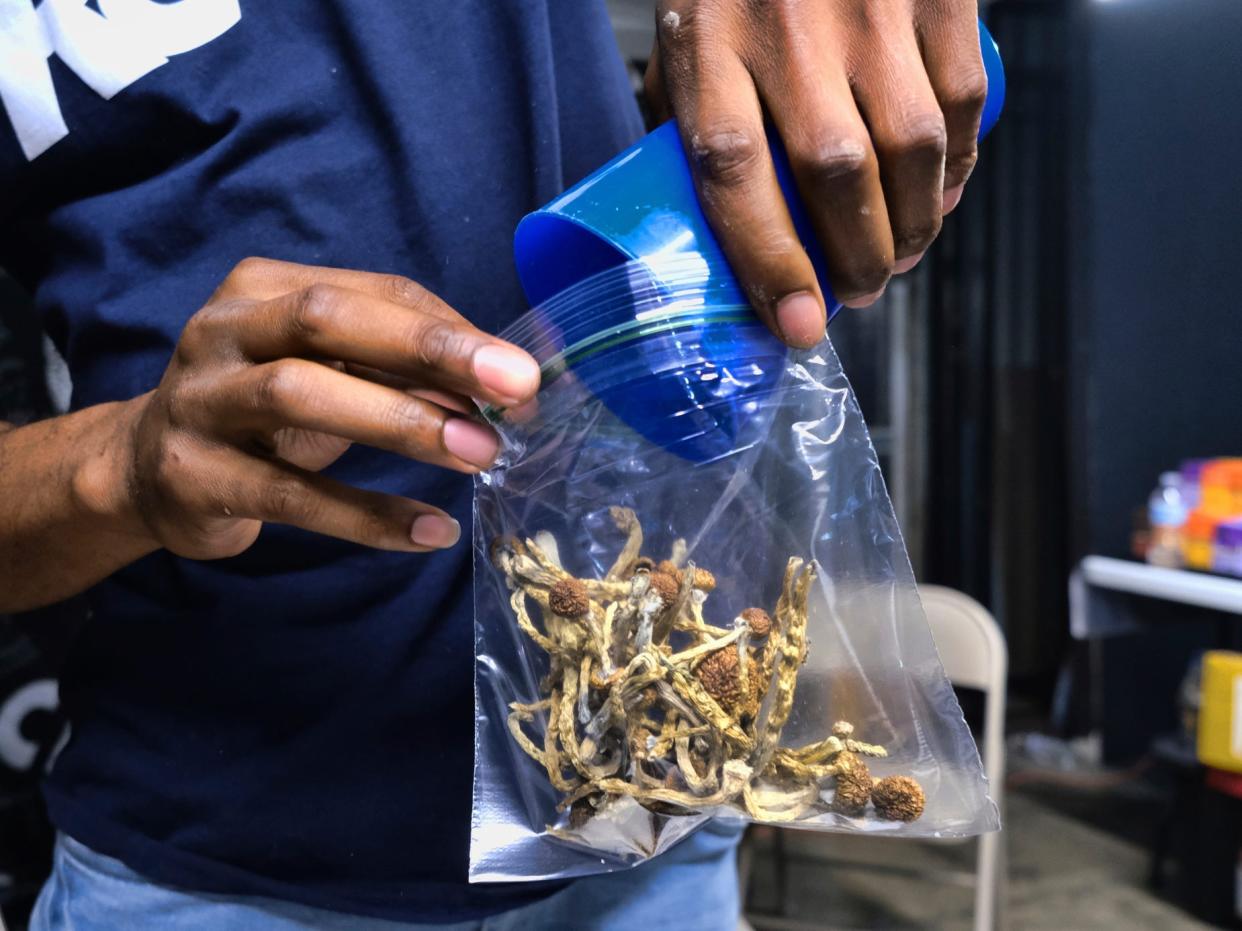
pixel 1065 875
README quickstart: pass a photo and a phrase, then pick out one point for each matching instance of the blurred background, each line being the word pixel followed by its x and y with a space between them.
pixel 1055 394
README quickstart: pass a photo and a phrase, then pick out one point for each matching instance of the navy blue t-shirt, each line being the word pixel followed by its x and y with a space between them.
pixel 296 721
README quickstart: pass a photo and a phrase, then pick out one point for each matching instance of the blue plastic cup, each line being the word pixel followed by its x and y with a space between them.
pixel 642 207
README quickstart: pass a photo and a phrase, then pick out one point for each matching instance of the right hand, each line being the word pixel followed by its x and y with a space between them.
pixel 878 104
pixel 277 375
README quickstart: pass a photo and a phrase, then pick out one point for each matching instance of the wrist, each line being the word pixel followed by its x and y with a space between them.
pixel 102 481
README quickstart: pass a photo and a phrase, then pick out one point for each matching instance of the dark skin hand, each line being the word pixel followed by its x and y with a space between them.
pixel 276 377
pixel 878 104
pixel 283 369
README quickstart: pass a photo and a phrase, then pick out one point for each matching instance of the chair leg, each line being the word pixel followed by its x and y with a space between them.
pixel 1001 904
pixel 781 863
pixel 989 881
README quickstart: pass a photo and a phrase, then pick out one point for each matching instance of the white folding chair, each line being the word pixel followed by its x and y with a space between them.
pixel 972 649
pixel 974 655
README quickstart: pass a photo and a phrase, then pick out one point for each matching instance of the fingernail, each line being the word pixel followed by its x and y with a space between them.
pixel 951 198
pixel 800 320
pixel 470 441
pixel 865 301
pixel 435 531
pixel 901 266
pixel 509 372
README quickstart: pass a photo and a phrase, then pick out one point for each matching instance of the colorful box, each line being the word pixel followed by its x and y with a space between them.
pixel 1220 711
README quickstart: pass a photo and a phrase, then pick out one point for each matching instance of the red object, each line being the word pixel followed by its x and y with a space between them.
pixel 1226 783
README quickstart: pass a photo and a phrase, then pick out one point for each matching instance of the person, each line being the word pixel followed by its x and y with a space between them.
pixel 272 242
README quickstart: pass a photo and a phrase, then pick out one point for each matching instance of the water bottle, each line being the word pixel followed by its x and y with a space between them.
pixel 1167 509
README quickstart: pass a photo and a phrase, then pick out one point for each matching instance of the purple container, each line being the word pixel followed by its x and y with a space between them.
pixel 1191 469
pixel 1227 548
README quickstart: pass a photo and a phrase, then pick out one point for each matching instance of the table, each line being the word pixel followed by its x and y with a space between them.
pixel 1094 614
pixel 1112 598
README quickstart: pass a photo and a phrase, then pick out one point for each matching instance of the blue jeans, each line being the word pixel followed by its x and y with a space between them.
pixel 692 887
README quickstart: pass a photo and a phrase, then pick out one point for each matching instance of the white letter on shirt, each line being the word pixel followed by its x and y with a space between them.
pixel 26 81
pixel 108 52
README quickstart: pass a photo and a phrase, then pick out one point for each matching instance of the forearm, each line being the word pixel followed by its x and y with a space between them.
pixel 67 519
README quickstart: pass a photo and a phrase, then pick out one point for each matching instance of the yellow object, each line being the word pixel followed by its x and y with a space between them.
pixel 1197 554
pixel 1197 535
pixel 1220 711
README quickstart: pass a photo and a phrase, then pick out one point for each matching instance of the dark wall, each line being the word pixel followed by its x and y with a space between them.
pixel 1156 189
pixel 1084 329
pixel 998 525
pixel 1156 249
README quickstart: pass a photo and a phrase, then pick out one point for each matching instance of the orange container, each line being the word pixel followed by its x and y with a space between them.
pixel 1198 536
pixel 1220 485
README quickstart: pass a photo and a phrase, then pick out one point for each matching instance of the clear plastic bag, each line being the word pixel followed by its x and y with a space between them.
pixel 609 728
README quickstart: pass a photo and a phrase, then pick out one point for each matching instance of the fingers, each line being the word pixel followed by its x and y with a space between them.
pixel 269 490
pixel 325 321
pixel 837 173
pixel 954 64
pixel 909 135
pixel 448 400
pixel 259 279
pixel 306 395
pixel 721 125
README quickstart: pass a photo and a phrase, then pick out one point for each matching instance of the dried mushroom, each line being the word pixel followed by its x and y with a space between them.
pixel 703 581
pixel 853 786
pixel 645 698
pixel 569 598
pixel 898 798
pixel 758 621
pixel 719 675
pixel 666 586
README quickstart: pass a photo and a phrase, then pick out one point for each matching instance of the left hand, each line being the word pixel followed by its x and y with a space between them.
pixel 878 104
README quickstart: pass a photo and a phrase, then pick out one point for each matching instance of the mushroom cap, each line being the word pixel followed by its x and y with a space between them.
pixel 758 620
pixel 898 798
pixel 704 581
pixel 643 563
pixel 666 585
pixel 503 544
pixel 722 679
pixel 854 785
pixel 852 795
pixel 719 675
pixel 569 598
